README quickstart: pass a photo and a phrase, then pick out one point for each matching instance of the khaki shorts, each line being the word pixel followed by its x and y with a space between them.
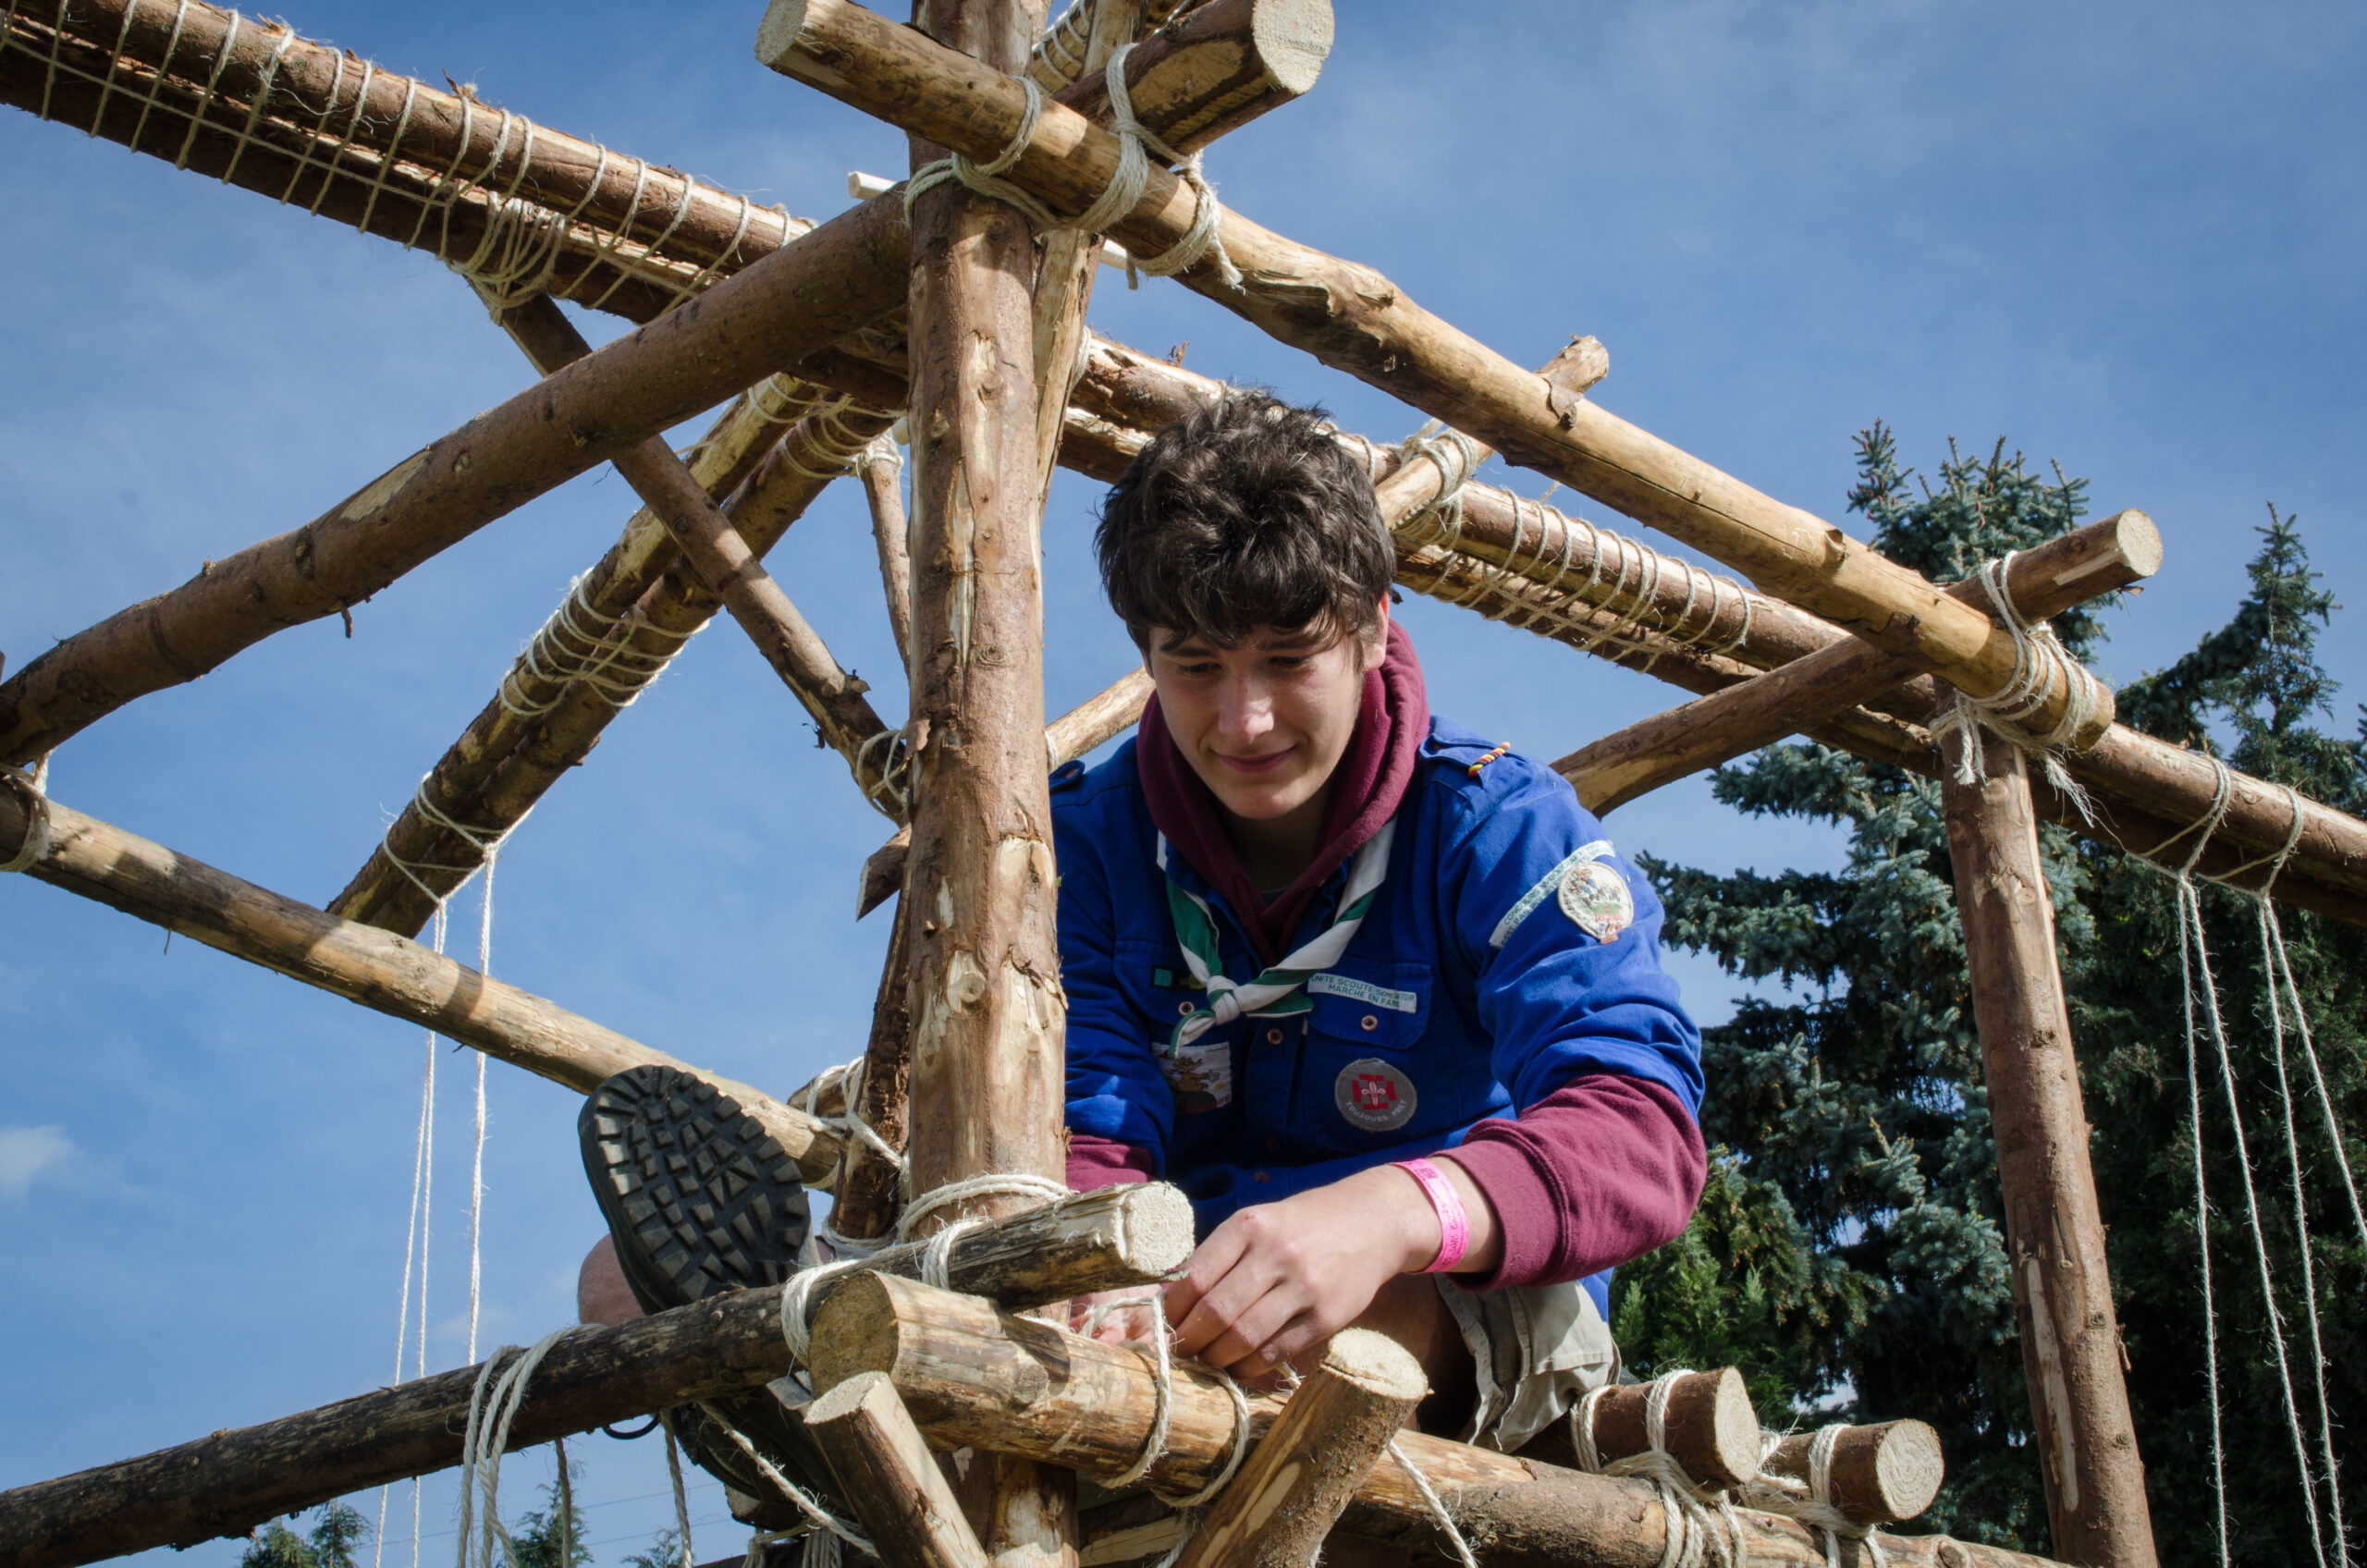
pixel 1537 1349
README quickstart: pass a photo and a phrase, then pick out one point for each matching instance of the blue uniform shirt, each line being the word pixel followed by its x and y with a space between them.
pixel 1473 987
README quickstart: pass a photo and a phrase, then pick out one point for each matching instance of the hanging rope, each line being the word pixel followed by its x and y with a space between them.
pixel 494 1403
pixel 681 1500
pixel 2194 962
pixel 1119 197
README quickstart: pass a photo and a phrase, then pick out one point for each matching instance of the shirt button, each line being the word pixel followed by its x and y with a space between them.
pixel 1257 1176
pixel 1371 1023
pixel 1182 1010
pixel 1273 1037
pixel 1272 1143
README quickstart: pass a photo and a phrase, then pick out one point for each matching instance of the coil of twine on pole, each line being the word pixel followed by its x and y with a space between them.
pixel 1686 1503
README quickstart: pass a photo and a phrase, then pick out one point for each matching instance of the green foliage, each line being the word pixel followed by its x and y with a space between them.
pixel 331 1544
pixel 1850 1254
pixel 664 1551
pixel 552 1536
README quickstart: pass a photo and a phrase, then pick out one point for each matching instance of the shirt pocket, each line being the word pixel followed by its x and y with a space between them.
pixel 1201 1074
pixel 1357 1088
pixel 1366 1002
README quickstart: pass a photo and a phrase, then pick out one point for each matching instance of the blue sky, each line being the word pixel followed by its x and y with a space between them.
pixel 2123 237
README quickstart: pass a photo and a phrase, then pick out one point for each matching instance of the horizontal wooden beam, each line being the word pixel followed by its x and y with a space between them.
pixel 383 972
pixel 2042 581
pixel 226 1484
pixel 1354 319
pixel 803 297
pixel 976 1377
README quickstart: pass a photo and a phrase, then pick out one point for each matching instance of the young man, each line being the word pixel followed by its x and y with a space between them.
pixel 1375 993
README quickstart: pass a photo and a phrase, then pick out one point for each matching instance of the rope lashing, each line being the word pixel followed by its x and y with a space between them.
pixel 1686 1505
pixel 1119 198
pixel 33 788
pixel 1811 1501
pixel 582 644
pixel 494 1403
pixel 1413 1473
pixel 819 1517
pixel 2039 659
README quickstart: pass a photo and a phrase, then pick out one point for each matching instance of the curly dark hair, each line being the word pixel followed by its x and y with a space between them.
pixel 1245 514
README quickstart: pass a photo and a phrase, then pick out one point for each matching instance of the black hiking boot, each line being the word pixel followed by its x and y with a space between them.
pixel 700 1199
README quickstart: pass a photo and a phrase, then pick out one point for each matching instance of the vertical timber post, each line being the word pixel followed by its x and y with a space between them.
pixel 2054 1234
pixel 986 1010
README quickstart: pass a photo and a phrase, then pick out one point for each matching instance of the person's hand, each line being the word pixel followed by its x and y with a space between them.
pixel 1118 1324
pixel 1276 1280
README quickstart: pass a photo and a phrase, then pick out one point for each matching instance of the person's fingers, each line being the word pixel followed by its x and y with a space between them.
pixel 1282 1303
pixel 1211 1260
pixel 1301 1334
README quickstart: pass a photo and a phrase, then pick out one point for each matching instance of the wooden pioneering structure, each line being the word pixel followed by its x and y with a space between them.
pixel 956 305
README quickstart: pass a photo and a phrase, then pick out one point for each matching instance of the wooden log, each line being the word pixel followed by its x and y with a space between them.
pixel 801 297
pixel 995 1382
pixel 1338 1421
pixel 384 153
pixel 870 1186
pixel 492 789
pixel 1711 1431
pixel 988 1012
pixel 1355 320
pixel 727 567
pixel 881 471
pixel 226 1484
pixel 2069 570
pixel 2054 1233
pixel 1877 1474
pixel 1208 71
pixel 1112 711
pixel 890 1478
pixel 383 972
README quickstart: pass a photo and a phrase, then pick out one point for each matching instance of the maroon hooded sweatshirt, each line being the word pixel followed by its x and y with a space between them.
pixel 1599 1172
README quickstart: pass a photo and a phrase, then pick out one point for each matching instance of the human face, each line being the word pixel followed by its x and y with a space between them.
pixel 1264 723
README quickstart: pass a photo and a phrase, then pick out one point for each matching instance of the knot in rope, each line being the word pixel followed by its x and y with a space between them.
pixel 1811 1501
pixel 32 786
pixel 2039 659
pixel 1686 1503
pixel 1119 197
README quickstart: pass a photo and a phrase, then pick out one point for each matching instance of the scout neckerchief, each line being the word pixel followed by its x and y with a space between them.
pixel 1280 990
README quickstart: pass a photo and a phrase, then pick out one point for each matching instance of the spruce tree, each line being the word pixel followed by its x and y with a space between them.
pixel 1849 1252
pixel 330 1544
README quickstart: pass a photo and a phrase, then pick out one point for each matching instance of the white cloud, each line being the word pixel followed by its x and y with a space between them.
pixel 25 1152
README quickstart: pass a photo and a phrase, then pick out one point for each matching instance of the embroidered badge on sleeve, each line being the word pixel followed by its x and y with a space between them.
pixel 1596 899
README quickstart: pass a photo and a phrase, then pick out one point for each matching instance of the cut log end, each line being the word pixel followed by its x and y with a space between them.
pixel 1293 39
pixel 1158 1234
pixel 1877 1474
pixel 1908 1471
pixel 2140 542
pixel 1374 1363
pixel 777 35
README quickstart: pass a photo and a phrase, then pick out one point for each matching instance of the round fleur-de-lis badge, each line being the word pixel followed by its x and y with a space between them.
pixel 1374 1095
pixel 1596 898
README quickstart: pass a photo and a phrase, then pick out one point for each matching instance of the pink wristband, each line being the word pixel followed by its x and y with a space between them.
pixel 1455 1225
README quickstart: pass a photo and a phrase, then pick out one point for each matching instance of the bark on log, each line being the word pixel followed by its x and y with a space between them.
pixel 973 1378
pixel 2054 1233
pixel 1340 1420
pixel 882 475
pixel 1711 1431
pixel 869 1192
pixel 1210 71
pixel 888 1477
pixel 383 972
pixel 2071 569
pixel 520 744
pixel 986 1094
pixel 727 567
pixel 226 1484
pixel 801 297
pixel 1878 1475
pixel 1354 319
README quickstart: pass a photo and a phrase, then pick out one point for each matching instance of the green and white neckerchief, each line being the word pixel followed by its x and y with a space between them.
pixel 1279 991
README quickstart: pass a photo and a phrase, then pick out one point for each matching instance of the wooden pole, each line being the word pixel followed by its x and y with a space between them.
pixel 226 1484
pixel 870 1187
pixel 986 1094
pixel 803 296
pixel 2069 570
pixel 726 567
pixel 2071 1351
pixel 993 1383
pixel 1338 1421
pixel 1877 1474
pixel 1710 1429
pixel 1210 71
pixel 533 732
pixel 1355 320
pixel 890 1478
pixel 881 472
